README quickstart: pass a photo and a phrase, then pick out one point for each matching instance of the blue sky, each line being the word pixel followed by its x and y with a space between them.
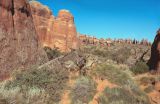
pixel 112 18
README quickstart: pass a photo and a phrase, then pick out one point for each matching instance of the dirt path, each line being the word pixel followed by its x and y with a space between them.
pixel 102 84
pixel 154 97
pixel 65 97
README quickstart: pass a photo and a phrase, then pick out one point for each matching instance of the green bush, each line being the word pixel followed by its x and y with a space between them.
pixel 121 96
pixel 140 68
pixel 83 90
pixel 113 74
pixel 52 53
pixel 52 81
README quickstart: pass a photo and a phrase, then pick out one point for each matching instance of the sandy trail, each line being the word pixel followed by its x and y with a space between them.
pixel 102 84
pixel 65 97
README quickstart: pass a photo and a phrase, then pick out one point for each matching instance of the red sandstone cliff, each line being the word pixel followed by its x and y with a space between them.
pixel 18 40
pixel 54 32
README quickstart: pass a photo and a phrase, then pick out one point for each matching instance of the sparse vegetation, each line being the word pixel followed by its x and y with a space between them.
pixel 121 96
pixel 83 90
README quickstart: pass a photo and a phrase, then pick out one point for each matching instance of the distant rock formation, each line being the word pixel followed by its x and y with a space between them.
pixel 18 40
pixel 55 32
pixel 89 40
pixel 154 62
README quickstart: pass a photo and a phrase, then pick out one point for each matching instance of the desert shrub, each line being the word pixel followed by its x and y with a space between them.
pixel 52 53
pixel 121 55
pixel 18 96
pixel 83 90
pixel 149 89
pixel 119 76
pixel 53 81
pixel 147 80
pixel 140 67
pixel 113 73
pixel 121 96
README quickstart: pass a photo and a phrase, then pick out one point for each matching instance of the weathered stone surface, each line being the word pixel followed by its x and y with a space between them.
pixel 72 61
pixel 18 40
pixel 154 62
pixel 55 32
pixel 43 20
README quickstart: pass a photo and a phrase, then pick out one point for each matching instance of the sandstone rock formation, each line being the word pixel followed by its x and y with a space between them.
pixel 54 32
pixel 18 40
pixel 154 62
pixel 89 40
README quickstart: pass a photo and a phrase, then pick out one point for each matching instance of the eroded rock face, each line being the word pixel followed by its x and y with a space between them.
pixel 18 40
pixel 55 32
pixel 154 62
pixel 43 20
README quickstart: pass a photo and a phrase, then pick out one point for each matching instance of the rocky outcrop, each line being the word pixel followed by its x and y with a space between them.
pixel 55 32
pixel 89 40
pixel 72 61
pixel 18 40
pixel 154 62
